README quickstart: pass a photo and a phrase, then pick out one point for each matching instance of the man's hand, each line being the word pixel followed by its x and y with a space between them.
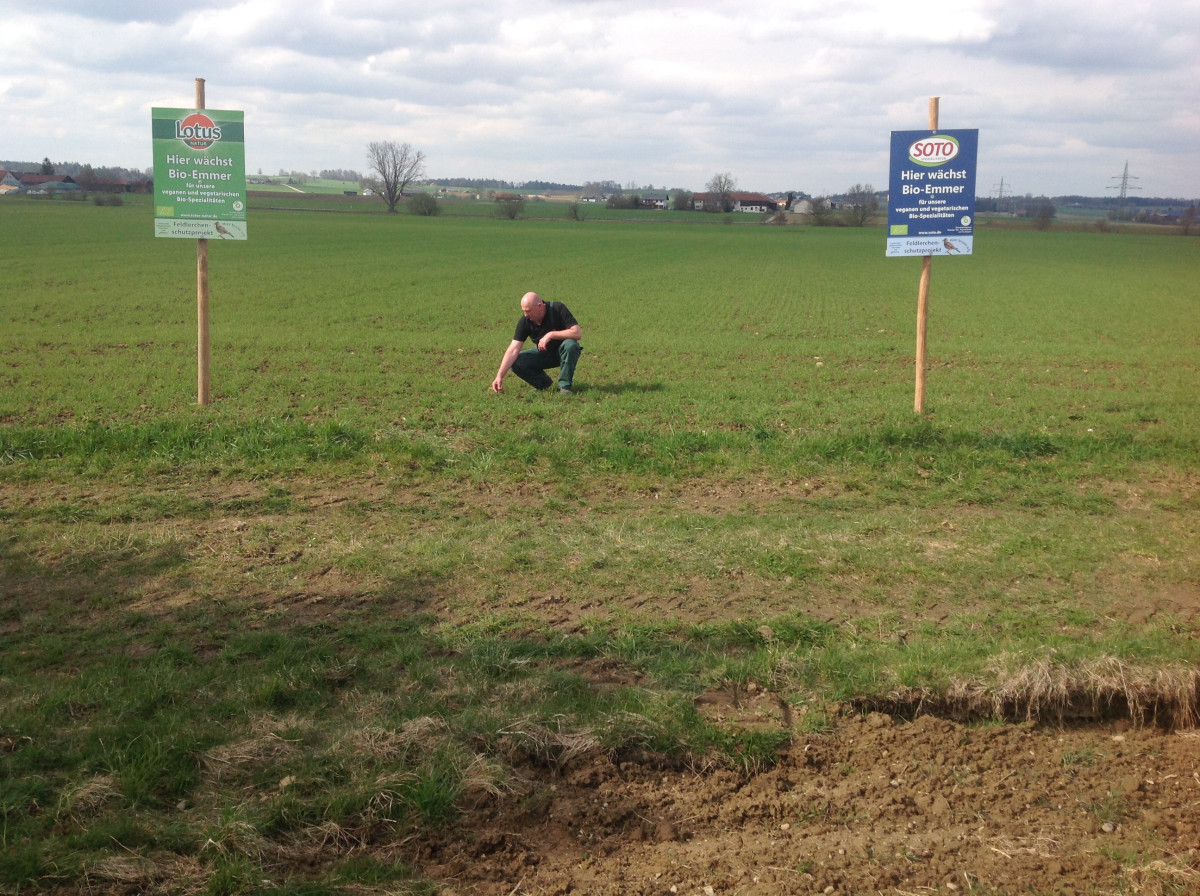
pixel 498 385
pixel 544 341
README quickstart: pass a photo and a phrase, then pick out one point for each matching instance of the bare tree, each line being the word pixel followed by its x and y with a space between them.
pixel 1188 219
pixel 396 165
pixel 1043 215
pixel 719 190
pixel 87 177
pixel 861 204
pixel 509 206
pixel 820 211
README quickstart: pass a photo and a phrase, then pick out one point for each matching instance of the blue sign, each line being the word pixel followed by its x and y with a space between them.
pixel 931 208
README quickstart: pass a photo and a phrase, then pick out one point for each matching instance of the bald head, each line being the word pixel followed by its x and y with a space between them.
pixel 533 307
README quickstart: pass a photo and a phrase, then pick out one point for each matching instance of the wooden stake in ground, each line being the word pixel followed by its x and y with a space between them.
pixel 202 345
pixel 923 295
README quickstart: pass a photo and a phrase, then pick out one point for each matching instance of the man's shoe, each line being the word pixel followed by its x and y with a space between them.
pixel 565 390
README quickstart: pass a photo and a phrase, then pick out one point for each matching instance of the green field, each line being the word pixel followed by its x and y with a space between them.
pixel 357 536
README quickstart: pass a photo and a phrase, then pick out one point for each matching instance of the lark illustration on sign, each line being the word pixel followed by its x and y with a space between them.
pixel 931 210
pixel 199 174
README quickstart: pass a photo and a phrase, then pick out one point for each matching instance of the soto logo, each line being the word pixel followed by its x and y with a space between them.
pixel 933 151
pixel 198 131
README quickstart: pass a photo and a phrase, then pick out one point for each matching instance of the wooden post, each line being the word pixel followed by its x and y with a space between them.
pixel 923 295
pixel 202 344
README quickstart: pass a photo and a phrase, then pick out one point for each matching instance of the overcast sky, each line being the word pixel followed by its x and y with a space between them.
pixel 782 94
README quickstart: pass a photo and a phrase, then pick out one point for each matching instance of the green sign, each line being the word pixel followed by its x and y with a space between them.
pixel 199 174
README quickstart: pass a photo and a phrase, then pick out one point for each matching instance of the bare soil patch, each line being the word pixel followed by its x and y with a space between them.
pixel 874 805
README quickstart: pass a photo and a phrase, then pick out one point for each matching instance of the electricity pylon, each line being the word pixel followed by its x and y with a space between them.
pixel 1124 187
pixel 1000 196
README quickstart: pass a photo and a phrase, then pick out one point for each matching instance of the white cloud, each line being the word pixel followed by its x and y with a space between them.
pixel 782 93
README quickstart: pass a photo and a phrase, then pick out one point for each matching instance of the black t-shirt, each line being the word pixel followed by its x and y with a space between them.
pixel 557 317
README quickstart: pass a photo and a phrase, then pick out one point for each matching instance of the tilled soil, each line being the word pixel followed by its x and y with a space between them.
pixel 874 805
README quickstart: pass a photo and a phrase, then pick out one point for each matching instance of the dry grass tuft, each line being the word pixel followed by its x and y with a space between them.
pixel 379 744
pixel 272 724
pixel 424 735
pixel 483 780
pixel 1051 691
pixel 148 874
pixel 554 748
pixel 1163 877
pixel 88 799
pixel 388 797
pixel 1098 688
pixel 251 751
pixel 328 836
pixel 236 838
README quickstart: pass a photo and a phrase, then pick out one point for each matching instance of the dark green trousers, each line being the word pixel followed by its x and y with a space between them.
pixel 531 365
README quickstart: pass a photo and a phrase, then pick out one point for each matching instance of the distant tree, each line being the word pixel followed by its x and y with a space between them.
pixel 624 200
pixel 683 200
pixel 547 186
pixel 87 177
pixel 600 188
pixel 1042 211
pixel 105 172
pixel 821 211
pixel 861 204
pixel 509 206
pixel 577 211
pixel 395 166
pixel 719 189
pixel 475 183
pixel 47 166
pixel 1187 219
pixel 423 204
pixel 338 174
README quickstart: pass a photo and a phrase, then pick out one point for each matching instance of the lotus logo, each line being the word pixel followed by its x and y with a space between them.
pixel 198 131
pixel 933 151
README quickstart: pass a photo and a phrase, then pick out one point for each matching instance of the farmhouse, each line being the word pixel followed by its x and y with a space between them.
pixel 738 202
pixel 47 182
pixel 805 206
pixel 18 182
pixel 31 182
pixel 654 198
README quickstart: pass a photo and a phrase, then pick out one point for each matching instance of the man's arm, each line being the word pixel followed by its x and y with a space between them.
pixel 572 332
pixel 506 363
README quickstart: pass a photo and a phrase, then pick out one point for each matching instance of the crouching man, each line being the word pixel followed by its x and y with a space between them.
pixel 555 334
